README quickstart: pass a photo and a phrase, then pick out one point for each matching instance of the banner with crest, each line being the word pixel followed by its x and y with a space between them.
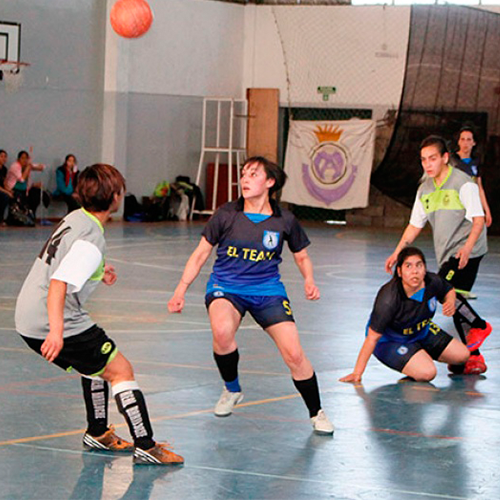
pixel 329 163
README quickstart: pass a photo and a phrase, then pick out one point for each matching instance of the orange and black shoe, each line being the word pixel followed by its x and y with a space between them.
pixel 159 454
pixel 108 441
pixel 477 336
pixel 475 365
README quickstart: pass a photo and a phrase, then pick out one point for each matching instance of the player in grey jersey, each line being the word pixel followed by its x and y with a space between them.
pixel 51 320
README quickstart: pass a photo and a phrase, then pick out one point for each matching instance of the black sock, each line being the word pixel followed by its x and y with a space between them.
pixel 466 314
pixel 310 394
pixel 95 394
pixel 132 406
pixel 228 365
pixel 459 326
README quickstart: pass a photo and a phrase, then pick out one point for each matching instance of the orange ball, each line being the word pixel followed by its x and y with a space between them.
pixel 131 18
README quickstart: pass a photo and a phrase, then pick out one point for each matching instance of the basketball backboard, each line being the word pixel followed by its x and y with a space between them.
pixel 10 41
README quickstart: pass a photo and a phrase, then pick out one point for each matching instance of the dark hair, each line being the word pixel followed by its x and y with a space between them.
pixel 68 157
pixel 404 254
pixel 273 171
pixel 467 128
pixel 97 186
pixel 437 141
pixel 3 151
pixel 21 153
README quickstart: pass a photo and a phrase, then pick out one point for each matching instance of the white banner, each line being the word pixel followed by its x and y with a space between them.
pixel 329 163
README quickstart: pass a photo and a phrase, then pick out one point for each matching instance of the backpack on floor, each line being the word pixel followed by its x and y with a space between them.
pixel 19 215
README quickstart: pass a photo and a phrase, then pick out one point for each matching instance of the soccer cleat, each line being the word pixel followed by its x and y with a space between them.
pixel 108 441
pixel 477 336
pixel 475 365
pixel 227 401
pixel 321 424
pixel 159 454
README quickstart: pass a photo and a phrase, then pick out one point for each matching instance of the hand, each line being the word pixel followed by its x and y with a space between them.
pixel 352 378
pixel 52 346
pixel 463 256
pixel 176 304
pixel 311 291
pixel 449 308
pixel 488 219
pixel 110 276
pixel 389 262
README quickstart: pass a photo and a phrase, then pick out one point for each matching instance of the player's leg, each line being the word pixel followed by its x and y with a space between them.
pixel 420 367
pixel 475 329
pixel 471 327
pixel 82 353
pixel 132 405
pixel 443 347
pixel 98 435
pixel 455 353
pixel 465 317
pixel 408 358
pixel 286 338
pixel 225 316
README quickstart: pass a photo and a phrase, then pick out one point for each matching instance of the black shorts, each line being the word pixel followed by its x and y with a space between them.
pixel 88 352
pixel 265 310
pixel 461 279
pixel 396 354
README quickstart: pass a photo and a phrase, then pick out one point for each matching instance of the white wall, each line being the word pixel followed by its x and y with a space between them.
pixel 57 110
pixel 359 50
pixel 149 121
pixel 154 86
pixel 194 48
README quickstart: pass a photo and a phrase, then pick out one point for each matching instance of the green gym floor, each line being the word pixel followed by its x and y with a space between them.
pixel 393 440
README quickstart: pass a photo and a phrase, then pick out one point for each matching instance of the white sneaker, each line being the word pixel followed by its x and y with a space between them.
pixel 321 424
pixel 227 401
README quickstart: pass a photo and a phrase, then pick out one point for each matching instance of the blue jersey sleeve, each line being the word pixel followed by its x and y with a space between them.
pixel 214 228
pixel 438 286
pixel 296 236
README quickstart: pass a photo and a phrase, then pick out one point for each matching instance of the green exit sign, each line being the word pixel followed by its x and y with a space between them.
pixel 326 91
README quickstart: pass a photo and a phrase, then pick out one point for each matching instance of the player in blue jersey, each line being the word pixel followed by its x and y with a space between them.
pixel 249 235
pixel 400 331
pixel 467 160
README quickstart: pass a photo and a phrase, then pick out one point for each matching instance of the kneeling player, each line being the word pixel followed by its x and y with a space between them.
pixel 51 320
pixel 400 331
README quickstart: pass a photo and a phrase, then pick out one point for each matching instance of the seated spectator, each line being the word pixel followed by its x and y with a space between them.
pixel 66 179
pixel 5 194
pixel 18 180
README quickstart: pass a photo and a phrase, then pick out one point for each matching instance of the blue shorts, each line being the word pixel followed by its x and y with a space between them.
pixel 396 354
pixel 265 310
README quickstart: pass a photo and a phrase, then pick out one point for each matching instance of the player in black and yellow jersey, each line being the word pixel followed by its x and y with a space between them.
pixel 249 235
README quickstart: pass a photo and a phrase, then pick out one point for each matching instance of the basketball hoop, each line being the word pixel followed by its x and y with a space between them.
pixel 11 72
